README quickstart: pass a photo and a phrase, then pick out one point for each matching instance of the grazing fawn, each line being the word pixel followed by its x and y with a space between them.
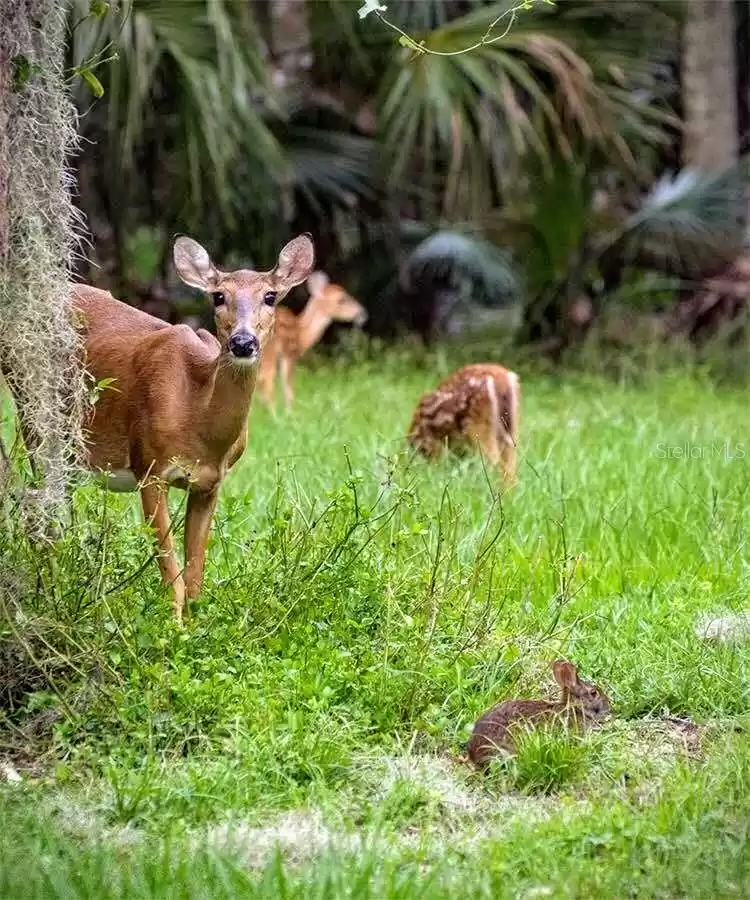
pixel 175 414
pixel 478 404
pixel 295 335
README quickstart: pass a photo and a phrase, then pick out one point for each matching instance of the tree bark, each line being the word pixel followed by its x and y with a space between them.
pixel 291 43
pixel 291 50
pixel 709 84
pixel 742 43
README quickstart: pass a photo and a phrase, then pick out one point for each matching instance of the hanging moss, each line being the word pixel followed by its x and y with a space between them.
pixel 39 231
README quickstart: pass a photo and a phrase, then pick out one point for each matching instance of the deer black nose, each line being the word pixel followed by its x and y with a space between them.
pixel 243 344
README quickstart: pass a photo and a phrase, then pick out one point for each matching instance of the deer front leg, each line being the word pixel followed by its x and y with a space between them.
pixel 156 514
pixel 200 510
pixel 287 374
pixel 267 375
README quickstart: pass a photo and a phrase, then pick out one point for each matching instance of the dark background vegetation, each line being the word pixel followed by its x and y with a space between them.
pixel 545 173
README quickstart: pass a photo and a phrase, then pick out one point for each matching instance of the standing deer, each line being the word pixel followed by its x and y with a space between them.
pixel 175 414
pixel 478 404
pixel 295 335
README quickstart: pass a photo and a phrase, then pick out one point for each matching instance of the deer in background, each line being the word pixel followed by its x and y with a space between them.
pixel 478 404
pixel 295 335
pixel 175 414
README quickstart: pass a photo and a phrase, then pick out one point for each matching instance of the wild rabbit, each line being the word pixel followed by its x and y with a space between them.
pixel 581 703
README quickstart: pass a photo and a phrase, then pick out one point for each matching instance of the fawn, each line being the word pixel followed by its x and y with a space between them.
pixel 478 404
pixel 295 335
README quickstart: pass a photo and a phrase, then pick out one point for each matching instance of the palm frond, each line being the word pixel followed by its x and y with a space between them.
pixel 210 55
pixel 540 89
pixel 688 223
pixel 330 165
pixel 464 263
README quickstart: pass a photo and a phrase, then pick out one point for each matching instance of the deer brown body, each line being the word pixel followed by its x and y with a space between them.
pixel 296 334
pixel 175 413
pixel 479 405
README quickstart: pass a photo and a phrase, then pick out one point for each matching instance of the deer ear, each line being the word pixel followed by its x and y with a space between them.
pixel 317 282
pixel 295 262
pixel 566 674
pixel 193 264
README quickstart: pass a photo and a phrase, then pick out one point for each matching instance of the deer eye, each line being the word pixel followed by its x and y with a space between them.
pixel 269 298
pixel 218 298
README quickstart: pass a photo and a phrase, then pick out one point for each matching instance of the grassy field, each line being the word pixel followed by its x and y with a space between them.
pixel 302 737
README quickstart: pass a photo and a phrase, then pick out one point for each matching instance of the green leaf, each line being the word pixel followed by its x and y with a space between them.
pixel 23 71
pixel 99 8
pixel 92 81
pixel 406 41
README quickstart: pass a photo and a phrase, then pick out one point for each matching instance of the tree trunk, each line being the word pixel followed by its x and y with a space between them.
pixel 709 85
pixel 291 50
pixel 291 43
pixel 742 11
pixel 715 107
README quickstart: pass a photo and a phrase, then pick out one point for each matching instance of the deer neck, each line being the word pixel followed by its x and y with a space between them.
pixel 229 404
pixel 312 323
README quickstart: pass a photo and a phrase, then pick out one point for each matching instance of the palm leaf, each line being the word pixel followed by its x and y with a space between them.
pixel 464 263
pixel 542 87
pixel 688 224
pixel 333 166
pixel 191 71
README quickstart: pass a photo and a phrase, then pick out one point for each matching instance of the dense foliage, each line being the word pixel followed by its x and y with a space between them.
pixel 532 145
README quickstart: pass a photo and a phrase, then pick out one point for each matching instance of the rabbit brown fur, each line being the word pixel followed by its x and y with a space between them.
pixel 581 703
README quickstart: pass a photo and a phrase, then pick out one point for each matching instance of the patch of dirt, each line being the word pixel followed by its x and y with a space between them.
pixel 686 732
pixel 663 738
pixel 729 628
pixel 439 775
pixel 298 835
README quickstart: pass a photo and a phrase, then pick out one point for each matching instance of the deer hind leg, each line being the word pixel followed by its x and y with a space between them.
pixel 156 514
pixel 200 511
pixel 483 433
pixel 483 425
pixel 509 429
pixel 287 376
pixel 508 458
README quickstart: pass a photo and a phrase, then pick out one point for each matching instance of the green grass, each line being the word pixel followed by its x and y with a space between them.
pixel 361 609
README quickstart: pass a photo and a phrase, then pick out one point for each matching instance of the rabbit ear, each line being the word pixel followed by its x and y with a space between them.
pixel 566 674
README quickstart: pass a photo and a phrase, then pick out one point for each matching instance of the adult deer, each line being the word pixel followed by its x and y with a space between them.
pixel 175 414
pixel 295 335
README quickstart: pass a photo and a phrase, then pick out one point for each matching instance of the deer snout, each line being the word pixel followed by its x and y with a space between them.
pixel 243 345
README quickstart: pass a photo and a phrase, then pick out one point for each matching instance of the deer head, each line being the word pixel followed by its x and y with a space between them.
pixel 332 301
pixel 244 301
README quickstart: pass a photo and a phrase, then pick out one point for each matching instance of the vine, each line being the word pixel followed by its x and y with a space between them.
pixel 406 40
